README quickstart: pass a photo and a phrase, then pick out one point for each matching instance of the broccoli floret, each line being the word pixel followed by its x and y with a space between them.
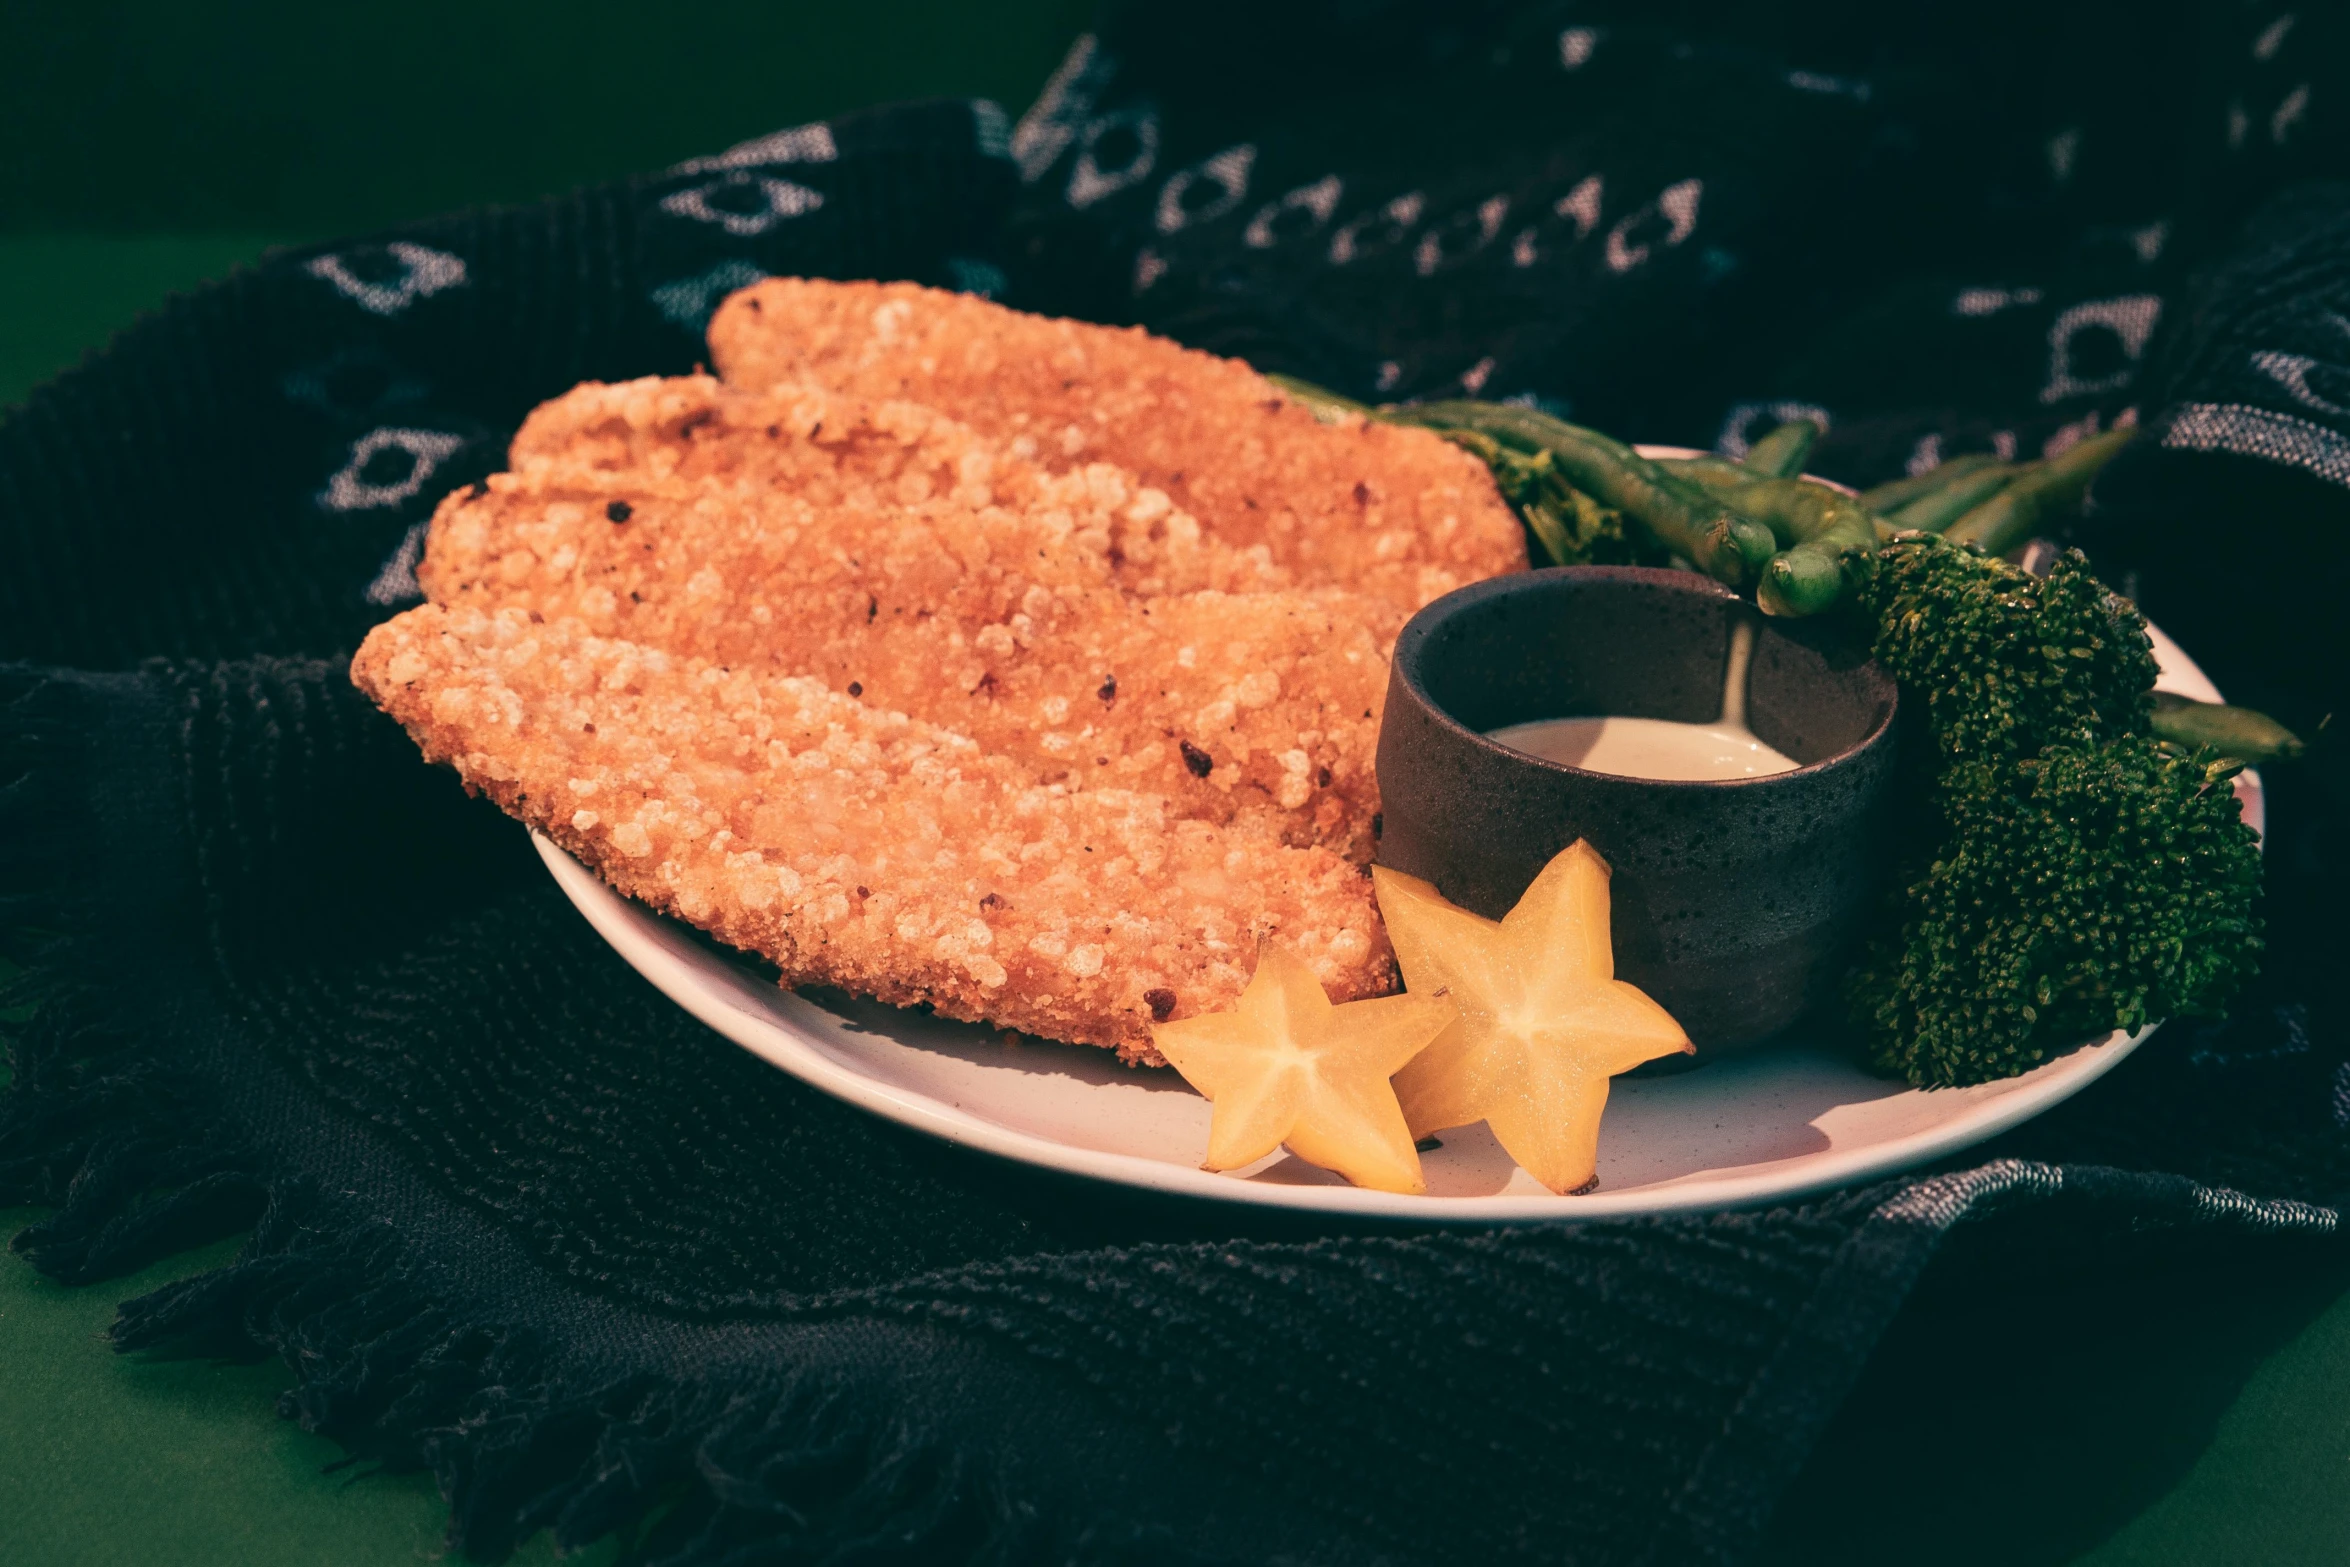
pixel 2063 872
pixel 2005 664
pixel 2082 890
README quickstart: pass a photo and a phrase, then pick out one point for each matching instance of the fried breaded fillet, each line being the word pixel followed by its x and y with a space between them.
pixel 886 553
pixel 861 848
pixel 835 451
pixel 1392 512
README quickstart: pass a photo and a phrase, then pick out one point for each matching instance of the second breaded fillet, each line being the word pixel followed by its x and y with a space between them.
pixel 860 848
pixel 888 555
pixel 1396 513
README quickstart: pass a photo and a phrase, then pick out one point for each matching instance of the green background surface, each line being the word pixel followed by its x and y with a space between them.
pixel 146 147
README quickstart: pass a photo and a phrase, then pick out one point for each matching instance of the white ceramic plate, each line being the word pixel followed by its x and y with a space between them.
pixel 1763 1127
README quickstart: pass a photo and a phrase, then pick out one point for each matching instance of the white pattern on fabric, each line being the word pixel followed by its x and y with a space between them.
pixel 1399 215
pixel 1677 203
pixel 780 199
pixel 800 144
pixel 1738 430
pixel 1576 45
pixel 1815 81
pixel 2291 371
pixel 2071 435
pixel 2260 432
pixel 425 272
pixel 2288 113
pixel 1581 204
pixel 395 583
pixel 1149 267
pixel 1990 301
pixel 991 128
pixel 2272 37
pixel 1430 254
pixel 1320 199
pixel 1474 378
pixel 1089 182
pixel 2064 150
pixel 1228 170
pixel 1924 457
pixel 1942 1200
pixel 688 301
pixel 351 490
pixel 1051 122
pixel 2148 241
pixel 2130 317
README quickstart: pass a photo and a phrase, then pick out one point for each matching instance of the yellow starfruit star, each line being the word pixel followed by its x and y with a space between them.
pixel 1543 1024
pixel 1286 1066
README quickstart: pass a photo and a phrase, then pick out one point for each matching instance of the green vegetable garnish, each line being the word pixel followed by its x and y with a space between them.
pixel 2077 891
pixel 1939 508
pixel 2255 739
pixel 1780 454
pixel 2038 494
pixel 1888 498
pixel 2066 872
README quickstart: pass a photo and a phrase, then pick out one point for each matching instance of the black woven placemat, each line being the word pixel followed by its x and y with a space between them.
pixel 523 1222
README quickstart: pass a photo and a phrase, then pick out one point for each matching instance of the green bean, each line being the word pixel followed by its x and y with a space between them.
pixel 1780 454
pixel 2038 495
pixel 1687 520
pixel 1319 401
pixel 1805 580
pixel 1886 499
pixel 1938 509
pixel 1714 473
pixel 1829 540
pixel 2250 737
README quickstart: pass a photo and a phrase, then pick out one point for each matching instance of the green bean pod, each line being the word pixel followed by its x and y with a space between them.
pixel 2037 495
pixel 1829 541
pixel 1808 579
pixel 2250 737
pixel 1780 454
pixel 1886 499
pixel 1715 473
pixel 1938 509
pixel 1687 520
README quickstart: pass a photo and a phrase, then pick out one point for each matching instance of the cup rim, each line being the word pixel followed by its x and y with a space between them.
pixel 1430 616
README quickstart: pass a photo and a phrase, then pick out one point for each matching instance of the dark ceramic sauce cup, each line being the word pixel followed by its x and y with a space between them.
pixel 1735 900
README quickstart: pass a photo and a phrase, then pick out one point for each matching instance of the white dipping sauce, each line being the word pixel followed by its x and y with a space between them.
pixel 1660 747
pixel 1647 747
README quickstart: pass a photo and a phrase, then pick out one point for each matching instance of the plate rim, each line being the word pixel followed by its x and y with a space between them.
pixel 733 1003
pixel 730 1002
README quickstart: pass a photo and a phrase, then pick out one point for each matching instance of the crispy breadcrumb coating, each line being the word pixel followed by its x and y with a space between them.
pixel 1392 512
pixel 834 451
pixel 861 848
pixel 892 556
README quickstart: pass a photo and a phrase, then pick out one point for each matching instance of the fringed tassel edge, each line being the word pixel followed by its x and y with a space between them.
pixel 100 1125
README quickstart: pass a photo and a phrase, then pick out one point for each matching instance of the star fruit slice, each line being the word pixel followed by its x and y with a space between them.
pixel 1286 1066
pixel 1544 1022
